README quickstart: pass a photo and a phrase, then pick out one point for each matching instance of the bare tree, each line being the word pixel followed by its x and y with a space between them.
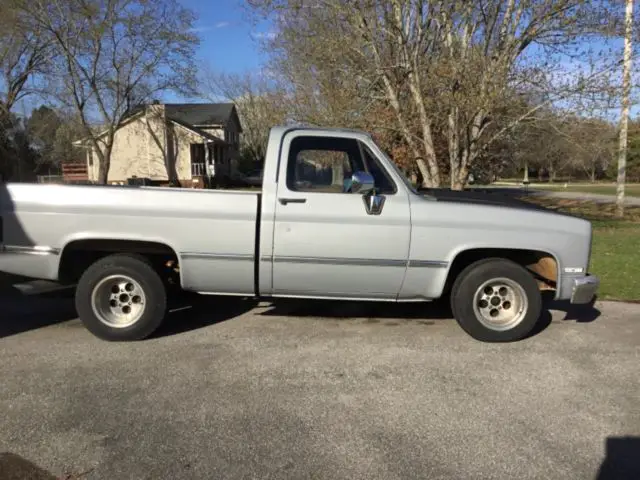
pixel 344 58
pixel 114 56
pixel 591 142
pixel 624 119
pixel 443 67
pixel 260 103
pixel 23 53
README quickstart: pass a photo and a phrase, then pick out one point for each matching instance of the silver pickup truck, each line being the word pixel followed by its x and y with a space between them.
pixel 335 220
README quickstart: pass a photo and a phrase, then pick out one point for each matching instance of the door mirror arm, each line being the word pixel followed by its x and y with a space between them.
pixel 373 203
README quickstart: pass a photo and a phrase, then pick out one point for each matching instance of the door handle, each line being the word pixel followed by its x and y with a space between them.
pixel 284 201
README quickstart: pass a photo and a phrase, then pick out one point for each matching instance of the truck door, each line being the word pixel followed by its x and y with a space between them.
pixel 329 242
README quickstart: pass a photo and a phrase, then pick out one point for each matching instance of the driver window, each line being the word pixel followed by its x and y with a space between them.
pixel 322 164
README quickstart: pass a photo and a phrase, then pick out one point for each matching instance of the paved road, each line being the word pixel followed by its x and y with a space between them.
pixel 308 390
pixel 594 197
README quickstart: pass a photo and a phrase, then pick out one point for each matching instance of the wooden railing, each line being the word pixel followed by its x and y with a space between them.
pixel 199 170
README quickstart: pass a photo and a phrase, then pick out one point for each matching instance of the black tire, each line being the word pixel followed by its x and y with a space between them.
pixel 153 307
pixel 472 278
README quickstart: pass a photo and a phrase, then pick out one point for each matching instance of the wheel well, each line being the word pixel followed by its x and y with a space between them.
pixel 542 265
pixel 77 256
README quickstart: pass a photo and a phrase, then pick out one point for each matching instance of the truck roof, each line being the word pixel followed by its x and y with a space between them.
pixel 281 129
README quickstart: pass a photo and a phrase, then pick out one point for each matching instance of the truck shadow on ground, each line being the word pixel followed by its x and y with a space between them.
pixel 196 312
pixel 20 313
pixel 622 459
pixel 423 313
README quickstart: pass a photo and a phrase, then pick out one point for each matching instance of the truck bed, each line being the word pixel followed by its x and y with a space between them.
pixel 208 230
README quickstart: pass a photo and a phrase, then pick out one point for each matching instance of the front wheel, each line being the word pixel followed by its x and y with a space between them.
pixel 496 300
pixel 121 298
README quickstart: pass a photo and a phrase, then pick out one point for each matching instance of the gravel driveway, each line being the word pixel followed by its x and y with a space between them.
pixel 312 390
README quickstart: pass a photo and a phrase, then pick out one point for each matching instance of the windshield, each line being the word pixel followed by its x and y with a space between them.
pixel 397 170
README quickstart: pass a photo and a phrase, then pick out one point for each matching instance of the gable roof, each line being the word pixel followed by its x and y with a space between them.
pixel 188 115
pixel 202 113
pixel 198 131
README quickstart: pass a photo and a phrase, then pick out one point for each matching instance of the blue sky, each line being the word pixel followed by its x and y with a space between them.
pixel 229 38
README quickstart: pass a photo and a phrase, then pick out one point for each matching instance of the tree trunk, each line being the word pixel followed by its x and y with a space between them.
pixel 427 180
pixel 427 135
pixel 104 163
pixel 170 157
pixel 392 97
pixel 337 174
pixel 624 119
pixel 453 141
pixel 461 158
pixel 457 185
pixel 424 174
pixel 103 173
pixel 460 168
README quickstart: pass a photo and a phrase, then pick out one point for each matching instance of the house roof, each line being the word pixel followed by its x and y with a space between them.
pixel 200 113
pixel 190 116
pixel 197 130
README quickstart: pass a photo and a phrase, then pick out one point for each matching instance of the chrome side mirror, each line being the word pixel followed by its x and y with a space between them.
pixel 362 182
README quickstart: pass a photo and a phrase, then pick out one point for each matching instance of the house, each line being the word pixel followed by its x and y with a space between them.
pixel 190 143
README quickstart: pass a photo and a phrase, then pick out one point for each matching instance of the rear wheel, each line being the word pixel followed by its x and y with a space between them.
pixel 496 300
pixel 120 298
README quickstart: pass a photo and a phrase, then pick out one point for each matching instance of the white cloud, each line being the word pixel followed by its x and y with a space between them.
pixel 208 28
pixel 264 35
pixel 199 29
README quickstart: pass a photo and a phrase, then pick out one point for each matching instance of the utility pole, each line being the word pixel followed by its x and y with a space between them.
pixel 624 118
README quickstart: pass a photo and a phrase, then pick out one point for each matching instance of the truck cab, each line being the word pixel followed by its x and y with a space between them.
pixel 334 207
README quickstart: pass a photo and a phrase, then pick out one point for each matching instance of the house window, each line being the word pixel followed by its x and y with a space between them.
pixel 197 153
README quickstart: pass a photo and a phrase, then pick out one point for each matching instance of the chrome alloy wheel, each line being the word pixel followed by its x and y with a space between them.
pixel 118 301
pixel 500 304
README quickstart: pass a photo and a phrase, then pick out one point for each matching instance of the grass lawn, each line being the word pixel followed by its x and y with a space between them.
pixel 631 190
pixel 615 255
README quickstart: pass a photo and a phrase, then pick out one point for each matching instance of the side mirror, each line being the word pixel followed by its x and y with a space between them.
pixel 362 182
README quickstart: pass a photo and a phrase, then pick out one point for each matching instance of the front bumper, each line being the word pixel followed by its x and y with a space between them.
pixel 584 289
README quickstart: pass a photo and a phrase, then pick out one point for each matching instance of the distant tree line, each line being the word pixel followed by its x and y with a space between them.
pixel 451 89
pixel 38 144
